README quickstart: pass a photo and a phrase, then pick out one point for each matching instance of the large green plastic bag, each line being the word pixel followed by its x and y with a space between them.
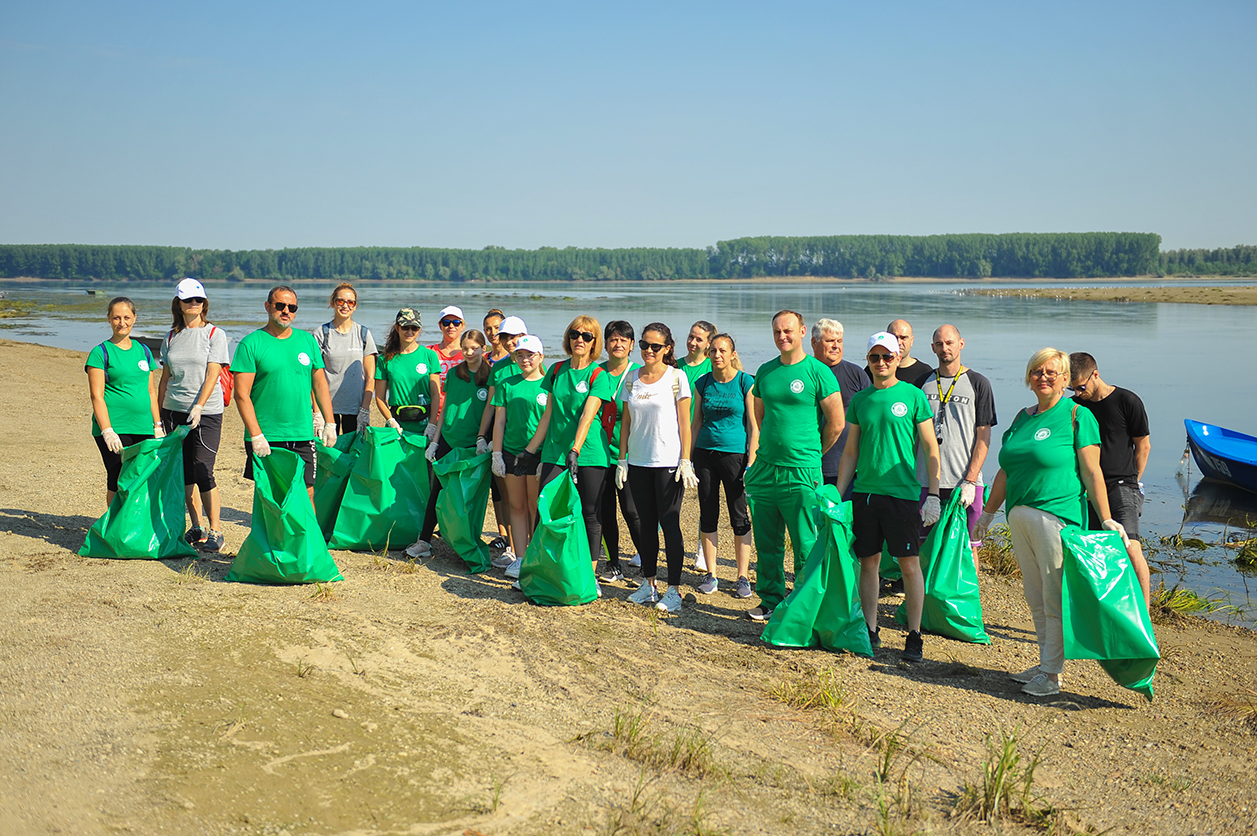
pixel 824 607
pixel 331 474
pixel 1102 609
pixel 284 544
pixel 557 570
pixel 386 494
pixel 888 569
pixel 145 519
pixel 953 606
pixel 460 508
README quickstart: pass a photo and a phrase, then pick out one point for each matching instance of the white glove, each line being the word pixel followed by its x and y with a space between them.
pixel 159 431
pixel 499 465
pixel 261 447
pixel 392 422
pixel 984 525
pixel 930 511
pixel 685 473
pixel 194 416
pixel 968 492
pixel 329 434
pixel 1114 525
pixel 430 432
pixel 430 453
pixel 364 419
pixel 318 423
pixel 112 442
pixel 621 473
pixel 482 446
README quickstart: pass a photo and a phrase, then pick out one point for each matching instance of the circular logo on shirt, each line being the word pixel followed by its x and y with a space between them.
pixel 482 394
pixel 1042 434
pixel 796 386
pixel 899 409
pixel 143 365
pixel 421 368
pixel 543 398
pixel 303 359
pixel 582 387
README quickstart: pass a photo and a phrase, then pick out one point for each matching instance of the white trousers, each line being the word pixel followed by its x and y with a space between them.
pixel 1037 544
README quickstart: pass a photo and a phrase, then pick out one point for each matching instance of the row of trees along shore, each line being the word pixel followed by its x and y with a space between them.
pixel 976 256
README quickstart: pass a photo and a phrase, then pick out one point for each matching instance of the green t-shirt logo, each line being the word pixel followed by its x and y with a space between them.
pixel 796 386
pixel 1042 434
pixel 421 368
pixel 303 359
pixel 143 364
pixel 543 398
pixel 899 409
pixel 582 387
pixel 482 394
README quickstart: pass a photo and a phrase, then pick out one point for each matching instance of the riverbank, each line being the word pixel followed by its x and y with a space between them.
pixel 153 697
pixel 1195 295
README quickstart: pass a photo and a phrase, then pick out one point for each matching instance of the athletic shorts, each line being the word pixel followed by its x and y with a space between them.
pixel 200 447
pixel 346 422
pixel 1126 504
pixel 304 449
pixel 113 461
pixel 878 519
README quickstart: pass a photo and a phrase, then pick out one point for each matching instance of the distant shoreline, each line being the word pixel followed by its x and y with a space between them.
pixel 1194 295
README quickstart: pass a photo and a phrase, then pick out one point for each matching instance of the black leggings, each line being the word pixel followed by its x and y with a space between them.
pixel 611 528
pixel 658 497
pixel 200 447
pixel 715 468
pixel 113 461
pixel 434 490
pixel 590 483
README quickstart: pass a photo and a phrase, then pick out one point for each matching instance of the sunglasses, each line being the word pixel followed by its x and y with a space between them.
pixel 880 358
pixel 280 307
pixel 655 347
pixel 195 300
pixel 587 336
pixel 349 303
pixel 446 323
pixel 409 328
pixel 1045 374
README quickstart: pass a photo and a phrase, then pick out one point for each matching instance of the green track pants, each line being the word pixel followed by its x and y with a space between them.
pixel 781 499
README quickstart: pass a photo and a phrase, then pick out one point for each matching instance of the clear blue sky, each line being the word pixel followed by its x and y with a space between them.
pixel 252 125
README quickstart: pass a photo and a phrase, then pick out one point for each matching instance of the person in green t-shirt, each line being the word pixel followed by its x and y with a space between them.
pixel 276 368
pixel 123 392
pixel 408 378
pixel 885 422
pixel 619 338
pixel 696 364
pixel 1048 455
pixel 518 402
pixel 792 392
pixel 503 333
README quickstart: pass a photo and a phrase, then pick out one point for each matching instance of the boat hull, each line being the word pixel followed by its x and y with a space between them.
pixel 1224 455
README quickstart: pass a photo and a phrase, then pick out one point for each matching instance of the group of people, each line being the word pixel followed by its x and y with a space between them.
pixel 897 437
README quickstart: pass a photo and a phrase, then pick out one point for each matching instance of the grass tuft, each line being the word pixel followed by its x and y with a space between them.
pixel 995 555
pixel 323 592
pixel 1177 602
pixel 1241 707
pixel 304 668
pixel 192 574
pixel 1005 789
pixel 816 690
pixel 689 750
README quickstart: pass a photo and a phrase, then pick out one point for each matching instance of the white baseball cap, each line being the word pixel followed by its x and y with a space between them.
pixel 190 289
pixel 886 340
pixel 512 325
pixel 452 310
pixel 529 342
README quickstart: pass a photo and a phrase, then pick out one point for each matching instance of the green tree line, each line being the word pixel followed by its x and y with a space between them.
pixel 1234 261
pixel 1014 255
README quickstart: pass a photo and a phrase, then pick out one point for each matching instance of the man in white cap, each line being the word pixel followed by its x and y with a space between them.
pixel 886 421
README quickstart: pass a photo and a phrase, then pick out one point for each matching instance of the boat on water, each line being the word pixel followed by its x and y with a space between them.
pixel 1222 454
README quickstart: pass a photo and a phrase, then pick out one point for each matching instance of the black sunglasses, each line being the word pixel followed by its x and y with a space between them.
pixel 880 358
pixel 195 300
pixel 280 307
pixel 587 336
pixel 446 323
pixel 655 347
pixel 409 328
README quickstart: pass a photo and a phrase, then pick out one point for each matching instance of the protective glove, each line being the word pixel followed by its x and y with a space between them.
pixel 984 525
pixel 159 431
pixel 930 511
pixel 430 452
pixel 526 463
pixel 329 434
pixel 499 465
pixel 112 442
pixel 194 416
pixel 968 492
pixel 392 422
pixel 364 419
pixel 318 423
pixel 685 474
pixel 621 473
pixel 1114 525
pixel 482 446
pixel 261 447
pixel 430 432
pixel 573 462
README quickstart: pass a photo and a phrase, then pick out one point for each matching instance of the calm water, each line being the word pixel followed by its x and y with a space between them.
pixel 1185 361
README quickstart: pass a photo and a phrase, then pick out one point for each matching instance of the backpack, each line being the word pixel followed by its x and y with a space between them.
pixel 226 380
pixel 104 353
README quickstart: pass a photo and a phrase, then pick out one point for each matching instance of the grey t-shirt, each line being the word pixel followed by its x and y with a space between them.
pixel 186 354
pixel 971 404
pixel 342 363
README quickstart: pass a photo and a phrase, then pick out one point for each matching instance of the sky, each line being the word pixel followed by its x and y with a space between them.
pixel 525 124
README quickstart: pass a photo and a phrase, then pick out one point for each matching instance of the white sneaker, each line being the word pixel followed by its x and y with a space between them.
pixel 512 571
pixel 635 560
pixel 598 587
pixel 418 549
pixel 645 594
pixel 670 602
pixel 517 586
pixel 503 560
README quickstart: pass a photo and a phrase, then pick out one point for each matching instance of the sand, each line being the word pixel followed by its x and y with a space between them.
pixel 1193 295
pixel 152 697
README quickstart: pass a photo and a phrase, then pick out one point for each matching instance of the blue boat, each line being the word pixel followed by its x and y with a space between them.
pixel 1222 454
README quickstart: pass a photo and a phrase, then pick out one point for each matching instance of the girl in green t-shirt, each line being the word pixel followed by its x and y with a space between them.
pixel 518 403
pixel 408 378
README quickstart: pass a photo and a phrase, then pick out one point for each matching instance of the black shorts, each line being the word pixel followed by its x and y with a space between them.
pixel 878 519
pixel 304 449
pixel 1126 504
pixel 113 461
pixel 346 422
pixel 200 447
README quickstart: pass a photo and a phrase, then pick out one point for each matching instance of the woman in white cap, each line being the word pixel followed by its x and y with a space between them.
pixel 193 356
pixel 449 349
pixel 348 361
pixel 518 403
pixel 506 333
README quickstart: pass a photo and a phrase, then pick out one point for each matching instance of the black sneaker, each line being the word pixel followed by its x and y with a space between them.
pixel 914 648
pixel 213 541
pixel 875 637
pixel 194 536
pixel 612 575
pixel 760 613
pixel 499 544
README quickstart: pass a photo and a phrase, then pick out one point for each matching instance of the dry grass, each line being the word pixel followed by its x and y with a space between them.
pixel 995 555
pixel 1240 707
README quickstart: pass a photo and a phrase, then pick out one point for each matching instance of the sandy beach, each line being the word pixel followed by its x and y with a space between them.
pixel 152 697
pixel 1193 295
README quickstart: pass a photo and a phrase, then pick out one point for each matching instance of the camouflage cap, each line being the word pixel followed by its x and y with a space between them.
pixel 409 317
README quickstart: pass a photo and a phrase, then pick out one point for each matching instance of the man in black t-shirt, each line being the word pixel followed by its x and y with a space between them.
pixel 827 347
pixel 1124 448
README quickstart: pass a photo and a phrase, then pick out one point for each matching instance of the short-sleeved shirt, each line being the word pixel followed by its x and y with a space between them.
pixel 693 373
pixel 185 355
pixel 127 374
pixel 851 379
pixel 1040 461
pixel 970 404
pixel 724 412
pixel 791 434
pixel 654 429
pixel 1122 419
pixel 284 377
pixel 569 389
pixel 448 359
pixel 342 363
pixel 888 418
pixel 465 403
pixel 502 369
pixel 524 402
pixel 616 405
pixel 409 378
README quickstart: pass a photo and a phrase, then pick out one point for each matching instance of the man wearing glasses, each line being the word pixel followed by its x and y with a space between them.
pixel 1124 449
pixel 909 368
pixel 276 368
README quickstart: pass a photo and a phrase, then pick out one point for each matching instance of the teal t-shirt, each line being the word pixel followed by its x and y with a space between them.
pixel 409 379
pixel 465 403
pixel 614 404
pixel 692 374
pixel 569 389
pixel 724 412
pixel 888 420
pixel 284 379
pixel 1040 462
pixel 791 435
pixel 126 387
pixel 524 402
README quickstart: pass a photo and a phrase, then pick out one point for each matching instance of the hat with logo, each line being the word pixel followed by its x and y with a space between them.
pixel 409 317
pixel 886 340
pixel 190 289
pixel 452 311
pixel 513 325
pixel 529 342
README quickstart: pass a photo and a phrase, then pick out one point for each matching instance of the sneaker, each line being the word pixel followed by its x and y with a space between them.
pixel 635 561
pixel 499 544
pixel 418 549
pixel 517 586
pixel 512 571
pixel 875 637
pixel 743 589
pixel 760 613
pixel 645 594
pixel 1025 676
pixel 708 585
pixel 598 587
pixel 503 560
pixel 1041 686
pixel 213 541
pixel 612 575
pixel 193 536
pixel 913 647
pixel 670 602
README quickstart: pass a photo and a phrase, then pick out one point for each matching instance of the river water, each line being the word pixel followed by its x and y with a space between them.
pixel 1185 361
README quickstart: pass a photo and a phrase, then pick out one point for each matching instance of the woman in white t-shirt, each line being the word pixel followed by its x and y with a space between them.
pixel 654 458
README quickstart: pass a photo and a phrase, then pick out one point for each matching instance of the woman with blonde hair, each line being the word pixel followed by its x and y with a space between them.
pixel 349 352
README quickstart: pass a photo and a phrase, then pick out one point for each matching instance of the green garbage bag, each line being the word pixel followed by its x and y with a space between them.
pixel 145 519
pixel 285 544
pixel 331 474
pixel 386 494
pixel 1102 609
pixel 557 570
pixel 953 606
pixel 888 569
pixel 460 508
pixel 824 608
